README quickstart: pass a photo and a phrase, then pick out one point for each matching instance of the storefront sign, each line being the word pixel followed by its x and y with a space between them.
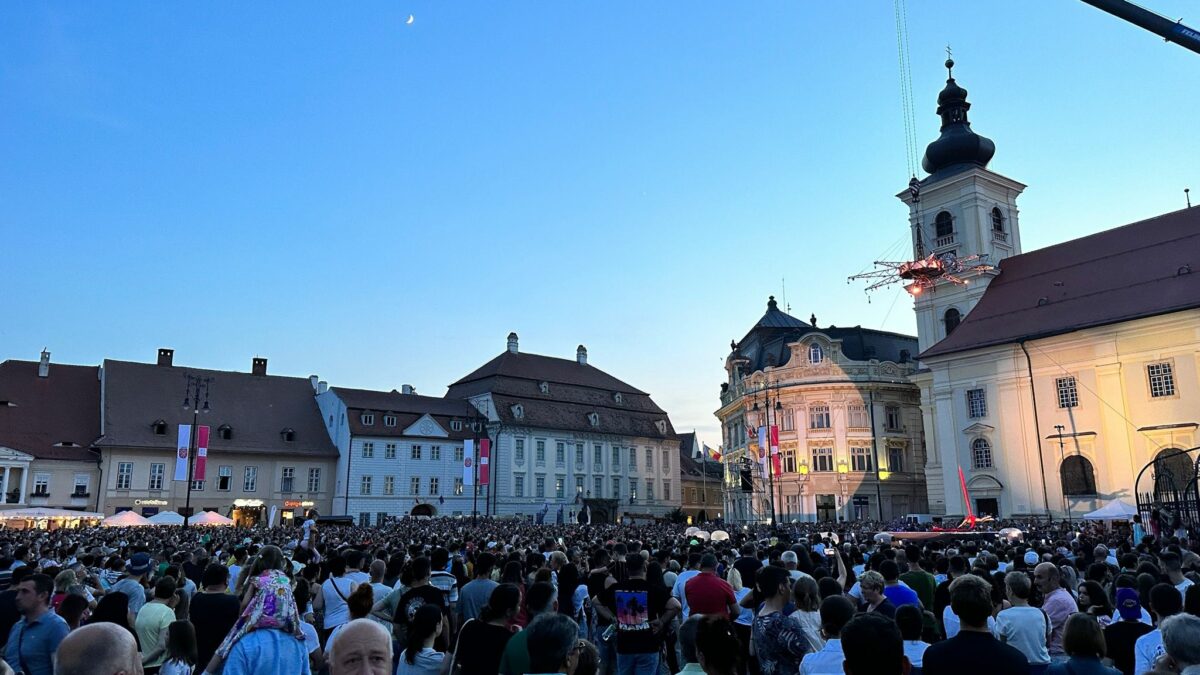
pixel 296 504
pixel 150 502
pixel 242 503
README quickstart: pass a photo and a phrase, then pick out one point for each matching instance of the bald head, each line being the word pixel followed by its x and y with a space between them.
pixel 98 649
pixel 362 647
pixel 1045 576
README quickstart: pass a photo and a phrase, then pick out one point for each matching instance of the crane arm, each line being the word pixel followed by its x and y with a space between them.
pixel 1171 31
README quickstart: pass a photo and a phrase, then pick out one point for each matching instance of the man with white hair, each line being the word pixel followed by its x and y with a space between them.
pixel 361 647
pixel 790 562
pixel 1181 639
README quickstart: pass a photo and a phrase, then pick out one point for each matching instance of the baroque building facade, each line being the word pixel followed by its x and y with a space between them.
pixel 1057 379
pixel 570 441
pixel 849 423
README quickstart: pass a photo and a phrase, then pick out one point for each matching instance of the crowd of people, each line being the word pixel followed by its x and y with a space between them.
pixel 451 596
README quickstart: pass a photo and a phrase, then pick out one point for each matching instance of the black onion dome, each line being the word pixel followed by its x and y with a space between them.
pixel 957 145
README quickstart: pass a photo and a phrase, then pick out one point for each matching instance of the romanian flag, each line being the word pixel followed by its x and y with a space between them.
pixel 714 455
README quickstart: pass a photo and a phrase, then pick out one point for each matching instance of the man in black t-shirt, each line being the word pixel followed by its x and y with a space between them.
pixel 421 592
pixel 213 611
pixel 747 565
pixel 973 650
pixel 641 611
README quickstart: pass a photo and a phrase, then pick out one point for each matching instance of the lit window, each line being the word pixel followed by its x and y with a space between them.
pixel 1068 393
pixel 1162 379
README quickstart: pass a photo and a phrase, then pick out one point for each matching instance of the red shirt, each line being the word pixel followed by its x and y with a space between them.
pixel 708 593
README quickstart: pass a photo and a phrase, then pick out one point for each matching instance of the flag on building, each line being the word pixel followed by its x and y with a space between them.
pixel 775 462
pixel 181 451
pixel 201 452
pixel 762 449
pixel 709 453
pixel 468 462
pixel 485 453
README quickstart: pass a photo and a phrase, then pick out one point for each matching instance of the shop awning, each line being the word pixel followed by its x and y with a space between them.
pixel 39 513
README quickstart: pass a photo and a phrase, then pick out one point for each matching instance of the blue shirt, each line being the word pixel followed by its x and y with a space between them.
pixel 37 641
pixel 901 595
pixel 267 652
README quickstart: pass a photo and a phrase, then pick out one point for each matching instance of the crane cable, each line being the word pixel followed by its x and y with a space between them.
pixel 900 9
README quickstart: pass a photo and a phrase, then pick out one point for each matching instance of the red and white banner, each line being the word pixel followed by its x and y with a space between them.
pixel 201 452
pixel 485 452
pixel 469 462
pixel 181 451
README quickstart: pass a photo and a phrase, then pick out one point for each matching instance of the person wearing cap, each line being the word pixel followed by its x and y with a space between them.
pixel 1123 632
pixel 133 583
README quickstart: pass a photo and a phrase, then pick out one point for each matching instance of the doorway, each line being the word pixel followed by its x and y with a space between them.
pixel 826 508
pixel 987 507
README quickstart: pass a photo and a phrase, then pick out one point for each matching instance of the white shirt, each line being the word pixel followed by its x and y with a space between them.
pixel 1147 648
pixel 915 651
pixel 1182 587
pixel 828 661
pixel 427 662
pixel 952 623
pixel 336 610
pixel 1026 629
pixel 311 642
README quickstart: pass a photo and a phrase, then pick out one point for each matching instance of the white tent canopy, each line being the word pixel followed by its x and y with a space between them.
pixel 1114 510
pixel 125 519
pixel 166 518
pixel 209 518
pixel 38 513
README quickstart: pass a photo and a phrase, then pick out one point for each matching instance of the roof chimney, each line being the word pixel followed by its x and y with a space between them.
pixel 314 380
pixel 407 389
pixel 322 387
pixel 512 343
pixel 165 356
pixel 258 366
pixel 44 364
pixel 581 355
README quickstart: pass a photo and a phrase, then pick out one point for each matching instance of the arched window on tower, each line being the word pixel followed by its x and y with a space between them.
pixel 815 354
pixel 951 318
pixel 943 224
pixel 1077 476
pixel 997 220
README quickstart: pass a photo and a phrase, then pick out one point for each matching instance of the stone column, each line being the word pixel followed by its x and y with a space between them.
pixel 4 488
pixel 24 480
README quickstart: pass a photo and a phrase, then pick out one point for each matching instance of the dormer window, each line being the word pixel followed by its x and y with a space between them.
pixel 368 419
pixel 815 354
pixel 518 411
pixel 288 435
pixel 476 426
pixel 455 425
pixel 225 432
pixel 594 419
pixel 160 427
pixel 389 420
pixel 662 426
pixel 544 387
pixel 617 398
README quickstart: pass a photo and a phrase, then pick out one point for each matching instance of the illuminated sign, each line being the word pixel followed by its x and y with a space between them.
pixel 150 502
pixel 247 502
pixel 296 503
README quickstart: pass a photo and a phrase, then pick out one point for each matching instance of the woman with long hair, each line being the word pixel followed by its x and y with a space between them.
pixel 807 598
pixel 114 608
pixel 419 657
pixel 778 640
pixel 481 641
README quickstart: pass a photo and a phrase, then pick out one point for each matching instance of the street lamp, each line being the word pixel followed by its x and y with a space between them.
pixel 195 389
pixel 1062 453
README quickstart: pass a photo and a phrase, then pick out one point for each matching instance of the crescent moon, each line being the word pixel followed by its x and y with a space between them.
pixel 409 20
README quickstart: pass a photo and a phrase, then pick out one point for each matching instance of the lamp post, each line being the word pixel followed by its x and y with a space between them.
pixel 195 388
pixel 1062 453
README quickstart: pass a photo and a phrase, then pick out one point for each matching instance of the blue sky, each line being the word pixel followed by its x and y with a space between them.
pixel 381 203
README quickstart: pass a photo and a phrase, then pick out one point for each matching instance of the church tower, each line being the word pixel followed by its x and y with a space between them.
pixel 961 209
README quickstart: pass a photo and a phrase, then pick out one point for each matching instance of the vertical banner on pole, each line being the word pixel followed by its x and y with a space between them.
pixel 775 463
pixel 485 451
pixel 469 463
pixel 762 449
pixel 201 452
pixel 181 451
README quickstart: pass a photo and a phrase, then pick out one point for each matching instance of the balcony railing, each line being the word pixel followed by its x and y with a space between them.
pixel 1000 235
pixel 943 241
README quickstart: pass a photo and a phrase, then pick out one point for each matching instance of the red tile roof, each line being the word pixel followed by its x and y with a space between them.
pixel 39 413
pixel 1139 270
